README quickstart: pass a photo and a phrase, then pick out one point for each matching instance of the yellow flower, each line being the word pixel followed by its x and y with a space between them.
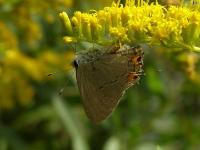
pixel 190 61
pixel 67 22
pixel 119 33
pixel 76 23
pixel 7 37
pixel 141 22
pixel 95 29
pixel 68 39
pixel 23 28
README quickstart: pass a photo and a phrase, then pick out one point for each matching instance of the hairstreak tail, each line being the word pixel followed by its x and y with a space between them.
pixel 104 76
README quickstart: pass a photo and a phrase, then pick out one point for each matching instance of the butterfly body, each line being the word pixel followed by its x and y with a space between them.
pixel 104 76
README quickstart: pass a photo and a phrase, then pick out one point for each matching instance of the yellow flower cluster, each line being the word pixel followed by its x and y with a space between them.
pixel 190 61
pixel 24 24
pixel 27 13
pixel 18 71
pixel 136 23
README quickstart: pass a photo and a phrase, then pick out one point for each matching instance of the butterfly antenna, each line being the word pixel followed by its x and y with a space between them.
pixel 75 48
pixel 61 91
pixel 63 88
pixel 50 74
pixel 55 72
pixel 71 46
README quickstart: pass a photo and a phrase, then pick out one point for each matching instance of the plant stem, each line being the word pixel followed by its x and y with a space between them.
pixel 71 126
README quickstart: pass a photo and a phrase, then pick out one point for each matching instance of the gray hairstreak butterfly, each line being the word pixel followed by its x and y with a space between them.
pixel 104 75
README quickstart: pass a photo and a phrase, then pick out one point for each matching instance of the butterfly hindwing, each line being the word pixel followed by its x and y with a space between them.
pixel 102 83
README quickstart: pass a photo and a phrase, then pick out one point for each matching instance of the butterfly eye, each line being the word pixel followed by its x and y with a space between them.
pixel 75 63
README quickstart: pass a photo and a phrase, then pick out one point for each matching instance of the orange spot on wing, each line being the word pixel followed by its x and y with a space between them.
pixel 132 76
pixel 136 59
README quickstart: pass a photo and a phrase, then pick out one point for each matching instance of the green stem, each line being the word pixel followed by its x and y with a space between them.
pixel 70 124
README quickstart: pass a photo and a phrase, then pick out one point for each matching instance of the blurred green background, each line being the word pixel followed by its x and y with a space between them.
pixel 163 110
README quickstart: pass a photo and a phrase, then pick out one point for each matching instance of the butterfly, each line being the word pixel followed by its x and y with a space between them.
pixel 103 76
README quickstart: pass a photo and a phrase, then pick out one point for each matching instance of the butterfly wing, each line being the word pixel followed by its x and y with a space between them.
pixel 102 79
pixel 102 83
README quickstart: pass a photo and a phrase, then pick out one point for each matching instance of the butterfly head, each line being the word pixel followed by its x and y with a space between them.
pixel 75 63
